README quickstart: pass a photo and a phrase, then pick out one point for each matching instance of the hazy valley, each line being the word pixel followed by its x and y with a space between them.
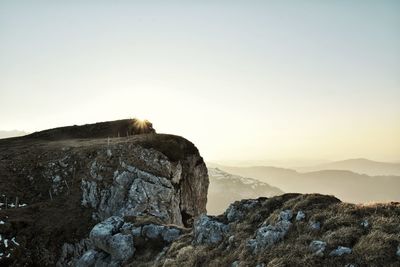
pixel 344 184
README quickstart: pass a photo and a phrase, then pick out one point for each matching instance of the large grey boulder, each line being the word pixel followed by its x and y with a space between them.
pixel 113 241
pixel 106 237
pixel 161 232
pixel 209 231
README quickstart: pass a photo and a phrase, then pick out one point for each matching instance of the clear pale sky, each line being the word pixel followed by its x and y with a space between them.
pixel 243 80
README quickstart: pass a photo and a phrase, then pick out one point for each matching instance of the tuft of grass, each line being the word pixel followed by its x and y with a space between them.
pixel 377 248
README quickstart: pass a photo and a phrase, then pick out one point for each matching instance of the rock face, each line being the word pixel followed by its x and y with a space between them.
pixel 109 196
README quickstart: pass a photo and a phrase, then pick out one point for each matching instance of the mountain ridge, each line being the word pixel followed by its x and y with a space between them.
pixel 225 188
pixel 347 185
pixel 358 165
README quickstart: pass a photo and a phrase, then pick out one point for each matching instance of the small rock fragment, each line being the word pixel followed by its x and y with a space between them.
pixel 315 226
pixel 300 216
pixel 339 251
pixel 286 215
pixel 364 223
pixel 318 247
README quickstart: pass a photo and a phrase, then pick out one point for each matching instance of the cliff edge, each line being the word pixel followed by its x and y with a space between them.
pixel 56 185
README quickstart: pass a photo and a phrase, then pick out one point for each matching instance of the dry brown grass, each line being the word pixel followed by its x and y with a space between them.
pixel 374 245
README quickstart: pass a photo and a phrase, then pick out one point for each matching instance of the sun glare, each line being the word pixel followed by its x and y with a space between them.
pixel 139 123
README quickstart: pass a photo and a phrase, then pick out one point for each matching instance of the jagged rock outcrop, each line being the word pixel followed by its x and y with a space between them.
pixel 95 199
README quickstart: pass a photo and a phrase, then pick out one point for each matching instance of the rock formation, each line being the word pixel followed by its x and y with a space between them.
pixel 93 200
pixel 71 199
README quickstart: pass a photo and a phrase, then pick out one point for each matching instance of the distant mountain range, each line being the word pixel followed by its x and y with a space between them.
pixel 346 185
pixel 14 133
pixel 362 166
pixel 226 188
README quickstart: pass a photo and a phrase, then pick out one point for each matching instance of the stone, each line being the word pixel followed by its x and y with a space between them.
pixel 165 233
pixel 102 231
pixel 317 247
pixel 286 215
pixel 109 153
pixel 88 259
pixel 364 223
pixel 300 216
pixel 231 240
pixel 233 214
pixel 339 251
pixel 266 236
pixel 89 194
pixel 121 247
pixel 315 226
pixel 136 232
pixel 235 264
pixel 152 231
pixel 398 251
pixel 209 231
pixel 237 210
pixel 170 234
pixel 106 237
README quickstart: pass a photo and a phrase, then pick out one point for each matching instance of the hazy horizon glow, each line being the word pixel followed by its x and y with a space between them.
pixel 243 80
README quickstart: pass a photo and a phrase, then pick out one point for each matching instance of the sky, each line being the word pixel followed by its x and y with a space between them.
pixel 243 80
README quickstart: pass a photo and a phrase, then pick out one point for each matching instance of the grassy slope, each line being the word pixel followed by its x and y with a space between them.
pixel 374 245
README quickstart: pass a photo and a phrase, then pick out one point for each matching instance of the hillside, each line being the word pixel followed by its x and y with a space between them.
pixel 225 188
pixel 140 200
pixel 292 230
pixel 346 185
pixel 55 188
pixel 362 166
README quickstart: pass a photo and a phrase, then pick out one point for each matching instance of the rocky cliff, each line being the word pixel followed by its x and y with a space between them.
pixel 57 185
pixel 140 200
